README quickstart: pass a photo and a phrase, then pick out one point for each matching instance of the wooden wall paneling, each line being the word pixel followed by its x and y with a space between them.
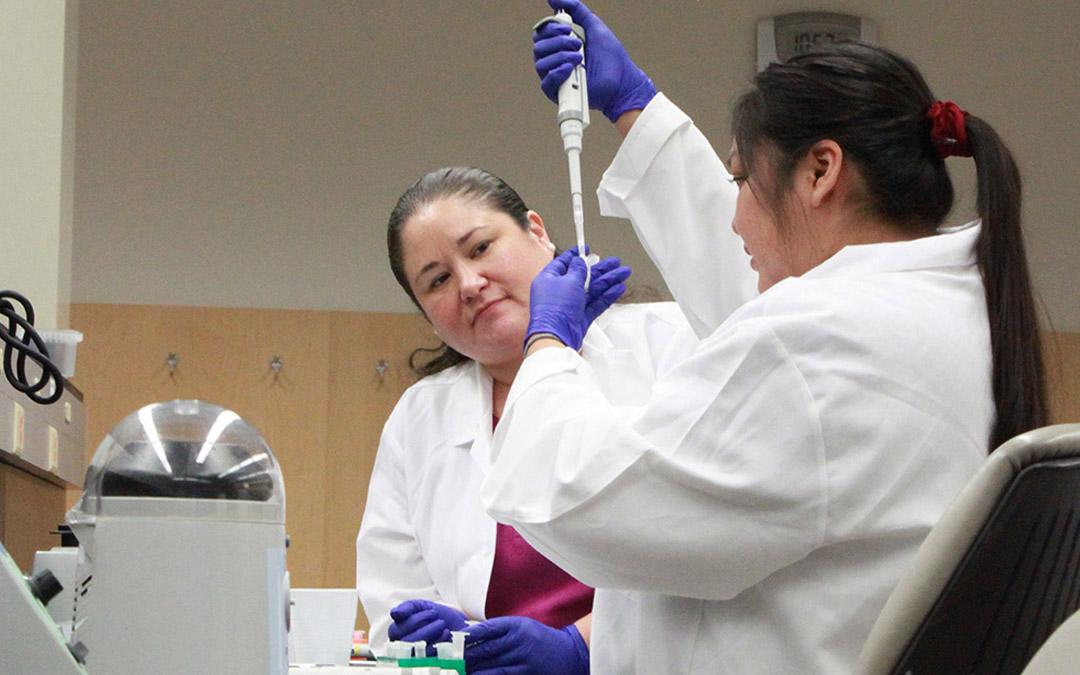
pixel 34 509
pixel 360 402
pixel 287 408
pixel 224 359
pixel 1062 356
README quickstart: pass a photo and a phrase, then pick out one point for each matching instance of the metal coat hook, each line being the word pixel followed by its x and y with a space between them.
pixel 275 364
pixel 172 360
pixel 380 367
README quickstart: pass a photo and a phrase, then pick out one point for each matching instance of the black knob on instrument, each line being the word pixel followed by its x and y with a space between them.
pixel 45 586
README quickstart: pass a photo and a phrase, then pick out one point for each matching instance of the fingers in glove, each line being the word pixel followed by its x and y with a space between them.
pixel 560 58
pixel 603 279
pixel 557 58
pixel 555 55
pixel 555 33
pixel 406 609
pixel 550 83
pixel 579 269
pixel 559 264
pixel 599 304
pixel 490 643
pixel 431 634
pixel 604 267
pixel 605 288
pixel 425 625
pixel 405 628
pixel 556 50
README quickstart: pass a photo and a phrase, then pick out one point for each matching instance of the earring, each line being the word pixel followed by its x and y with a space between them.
pixel 551 246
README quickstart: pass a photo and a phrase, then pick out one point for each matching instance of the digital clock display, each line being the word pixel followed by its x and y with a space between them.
pixel 781 37
pixel 801 37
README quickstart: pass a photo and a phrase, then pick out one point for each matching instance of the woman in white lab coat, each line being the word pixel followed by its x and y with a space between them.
pixel 753 516
pixel 465 248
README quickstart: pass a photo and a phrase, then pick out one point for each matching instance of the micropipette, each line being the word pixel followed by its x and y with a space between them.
pixel 573 117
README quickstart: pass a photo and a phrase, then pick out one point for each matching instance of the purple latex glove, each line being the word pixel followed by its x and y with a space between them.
pixel 615 83
pixel 416 620
pixel 518 645
pixel 559 304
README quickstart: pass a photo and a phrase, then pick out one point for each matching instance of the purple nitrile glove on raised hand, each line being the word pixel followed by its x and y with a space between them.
pixel 425 620
pixel 518 645
pixel 615 83
pixel 559 304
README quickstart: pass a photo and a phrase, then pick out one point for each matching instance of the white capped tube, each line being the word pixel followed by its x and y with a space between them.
pixel 457 638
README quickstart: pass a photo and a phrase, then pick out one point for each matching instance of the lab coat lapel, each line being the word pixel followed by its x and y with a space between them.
pixel 472 433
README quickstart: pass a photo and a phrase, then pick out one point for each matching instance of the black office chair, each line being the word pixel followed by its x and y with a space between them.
pixel 998 573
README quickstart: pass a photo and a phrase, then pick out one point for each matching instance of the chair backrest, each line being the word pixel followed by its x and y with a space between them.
pixel 997 574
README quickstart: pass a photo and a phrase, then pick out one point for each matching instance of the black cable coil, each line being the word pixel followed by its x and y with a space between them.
pixel 17 349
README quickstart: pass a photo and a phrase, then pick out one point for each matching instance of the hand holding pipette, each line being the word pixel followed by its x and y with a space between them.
pixel 609 82
pixel 573 117
pixel 559 305
pixel 615 83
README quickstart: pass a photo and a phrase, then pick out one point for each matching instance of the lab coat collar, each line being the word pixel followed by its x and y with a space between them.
pixel 951 247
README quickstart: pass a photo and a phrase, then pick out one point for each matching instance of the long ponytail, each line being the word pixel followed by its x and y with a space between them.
pixel 1018 370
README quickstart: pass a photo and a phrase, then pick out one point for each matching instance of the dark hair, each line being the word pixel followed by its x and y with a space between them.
pixel 873 103
pixel 463 182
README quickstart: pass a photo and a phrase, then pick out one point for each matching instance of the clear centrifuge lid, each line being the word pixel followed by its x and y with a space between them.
pixel 182 449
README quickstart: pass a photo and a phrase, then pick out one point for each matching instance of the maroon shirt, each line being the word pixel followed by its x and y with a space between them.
pixel 525 583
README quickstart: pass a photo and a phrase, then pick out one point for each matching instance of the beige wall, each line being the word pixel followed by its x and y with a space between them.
pixel 247 153
pixel 38 43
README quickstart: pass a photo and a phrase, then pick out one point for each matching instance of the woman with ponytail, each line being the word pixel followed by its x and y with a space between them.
pixel 756 512
pixel 878 108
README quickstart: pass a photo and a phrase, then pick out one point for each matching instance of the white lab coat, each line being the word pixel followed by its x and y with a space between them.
pixel 424 533
pixel 753 516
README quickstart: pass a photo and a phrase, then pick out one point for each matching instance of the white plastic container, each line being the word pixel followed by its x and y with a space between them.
pixel 62 345
pixel 321 625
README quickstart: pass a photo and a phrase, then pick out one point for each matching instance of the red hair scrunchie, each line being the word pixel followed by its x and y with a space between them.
pixel 947 130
